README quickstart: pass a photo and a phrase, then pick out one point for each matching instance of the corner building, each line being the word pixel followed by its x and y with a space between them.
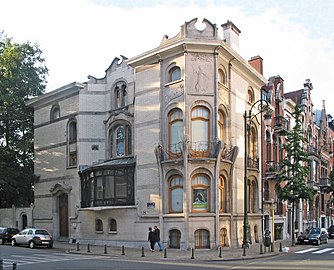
pixel 158 141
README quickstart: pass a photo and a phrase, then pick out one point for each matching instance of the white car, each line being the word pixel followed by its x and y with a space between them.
pixel 33 237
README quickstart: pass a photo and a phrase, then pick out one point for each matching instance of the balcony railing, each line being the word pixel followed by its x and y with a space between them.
pixel 281 124
pixel 312 150
pixel 324 181
pixel 253 162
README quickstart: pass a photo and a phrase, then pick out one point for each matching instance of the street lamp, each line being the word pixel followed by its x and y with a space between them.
pixel 262 106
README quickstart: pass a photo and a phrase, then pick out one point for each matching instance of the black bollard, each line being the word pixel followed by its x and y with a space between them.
pixel 165 252
pixel 192 254
pixel 78 248
pixel 272 247
pixel 261 249
pixel 142 252
pixel 244 251
pixel 280 247
pixel 123 251
pixel 1 264
pixel 14 266
pixel 105 249
pixel 220 252
pixel 88 248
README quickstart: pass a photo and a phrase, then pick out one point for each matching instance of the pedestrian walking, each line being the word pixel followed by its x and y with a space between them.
pixel 151 238
pixel 157 237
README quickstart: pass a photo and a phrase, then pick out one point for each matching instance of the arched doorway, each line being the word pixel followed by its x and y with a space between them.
pixel 223 237
pixel 174 238
pixel 63 215
pixel 24 220
pixel 202 239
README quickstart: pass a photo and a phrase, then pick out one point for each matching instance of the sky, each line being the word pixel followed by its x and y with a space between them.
pixel 82 37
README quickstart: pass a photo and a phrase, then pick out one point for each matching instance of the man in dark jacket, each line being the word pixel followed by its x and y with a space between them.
pixel 157 237
pixel 151 238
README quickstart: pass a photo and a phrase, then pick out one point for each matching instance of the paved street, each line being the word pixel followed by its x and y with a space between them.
pixel 66 256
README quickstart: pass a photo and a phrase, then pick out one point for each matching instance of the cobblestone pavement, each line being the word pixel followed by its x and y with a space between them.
pixel 255 251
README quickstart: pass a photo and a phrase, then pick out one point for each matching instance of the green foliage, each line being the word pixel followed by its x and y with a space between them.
pixel 22 76
pixel 293 175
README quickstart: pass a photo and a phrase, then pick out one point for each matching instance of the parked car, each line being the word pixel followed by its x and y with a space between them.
pixel 318 236
pixel 330 231
pixel 33 237
pixel 6 234
pixel 303 238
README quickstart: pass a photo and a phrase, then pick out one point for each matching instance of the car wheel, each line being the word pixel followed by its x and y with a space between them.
pixel 32 244
pixel 318 242
pixel 13 242
pixel 2 241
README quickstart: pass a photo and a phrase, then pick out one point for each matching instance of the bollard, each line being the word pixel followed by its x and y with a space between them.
pixel 165 252
pixel 220 252
pixel 14 266
pixel 261 249
pixel 78 248
pixel 280 247
pixel 142 252
pixel 123 251
pixel 1 264
pixel 192 254
pixel 272 247
pixel 88 248
pixel 105 249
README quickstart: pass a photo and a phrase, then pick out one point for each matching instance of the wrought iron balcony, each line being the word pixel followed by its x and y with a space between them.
pixel 312 150
pixel 271 169
pixel 324 181
pixel 204 149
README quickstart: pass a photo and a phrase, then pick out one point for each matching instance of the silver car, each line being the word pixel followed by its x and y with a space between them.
pixel 33 237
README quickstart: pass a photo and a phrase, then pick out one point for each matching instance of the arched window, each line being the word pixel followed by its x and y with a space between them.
pixel 268 146
pixel 221 76
pixel 98 225
pixel 275 152
pixel 202 238
pixel 175 130
pixel 120 141
pixel 121 95
pixel 250 94
pixel 253 196
pixel 72 143
pixel 200 185
pixel 252 143
pixel 221 126
pixel 112 225
pixel 174 74
pixel 200 123
pixel 222 194
pixel 55 113
pixel 176 194
pixel 280 148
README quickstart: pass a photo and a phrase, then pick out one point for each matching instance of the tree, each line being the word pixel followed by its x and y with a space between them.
pixel 22 76
pixel 292 177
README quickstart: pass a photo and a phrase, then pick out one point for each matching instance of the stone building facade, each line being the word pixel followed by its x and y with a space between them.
pixel 159 140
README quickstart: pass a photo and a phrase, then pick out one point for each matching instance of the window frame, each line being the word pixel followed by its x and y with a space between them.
pixel 197 186
pixel 172 188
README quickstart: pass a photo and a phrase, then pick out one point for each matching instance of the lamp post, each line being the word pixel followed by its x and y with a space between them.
pixel 263 106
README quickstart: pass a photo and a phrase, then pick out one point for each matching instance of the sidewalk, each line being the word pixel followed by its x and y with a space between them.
pixel 144 253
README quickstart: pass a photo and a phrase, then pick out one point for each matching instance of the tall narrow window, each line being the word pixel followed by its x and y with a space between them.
pixel 121 95
pixel 222 194
pixel 221 126
pixel 175 130
pixel 176 194
pixel 120 141
pixel 221 76
pixel 200 192
pixel 252 143
pixel 266 191
pixel 72 143
pixel 200 122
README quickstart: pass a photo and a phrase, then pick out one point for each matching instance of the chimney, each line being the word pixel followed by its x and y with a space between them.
pixel 231 35
pixel 257 63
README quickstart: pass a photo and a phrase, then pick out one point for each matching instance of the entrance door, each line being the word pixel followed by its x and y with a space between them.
pixel 24 221
pixel 202 239
pixel 63 215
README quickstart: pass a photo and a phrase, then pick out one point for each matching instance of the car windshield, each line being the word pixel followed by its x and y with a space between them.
pixel 43 232
pixel 315 230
